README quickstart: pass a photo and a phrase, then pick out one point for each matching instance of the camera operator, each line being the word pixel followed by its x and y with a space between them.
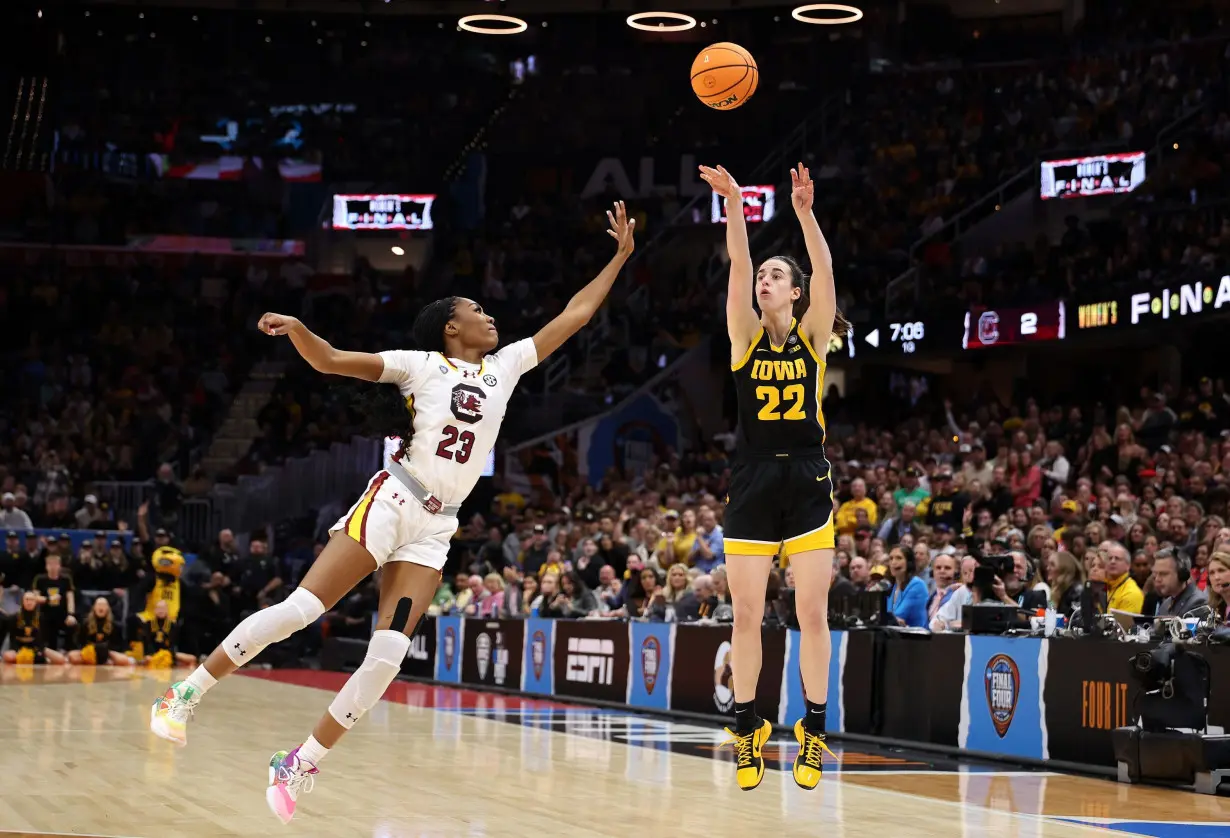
pixel 1172 580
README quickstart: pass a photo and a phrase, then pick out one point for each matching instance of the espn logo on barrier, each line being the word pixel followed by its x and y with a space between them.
pixel 590 661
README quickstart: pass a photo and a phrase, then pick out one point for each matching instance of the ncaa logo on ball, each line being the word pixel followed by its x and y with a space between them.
pixel 1003 687
pixel 651 657
pixel 538 652
pixel 450 647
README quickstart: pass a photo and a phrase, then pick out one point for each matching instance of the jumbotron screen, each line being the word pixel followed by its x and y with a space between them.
pixel 1100 174
pixel 759 204
pixel 382 212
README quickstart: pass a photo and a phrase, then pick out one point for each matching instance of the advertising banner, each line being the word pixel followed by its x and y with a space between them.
pixel 649 682
pixel 448 649
pixel 1002 706
pixel 794 705
pixel 420 660
pixel 591 659
pixel 701 677
pixel 537 668
pixel 1089 692
pixel 1150 306
pixel 492 653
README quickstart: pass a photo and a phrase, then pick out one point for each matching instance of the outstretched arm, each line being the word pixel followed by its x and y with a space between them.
pixel 741 321
pixel 586 302
pixel 817 324
pixel 319 353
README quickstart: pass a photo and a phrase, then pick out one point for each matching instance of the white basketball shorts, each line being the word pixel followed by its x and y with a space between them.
pixel 394 526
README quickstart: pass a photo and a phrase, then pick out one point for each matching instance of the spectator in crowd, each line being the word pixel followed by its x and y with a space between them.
pixel 57 600
pixel 943 583
pixel 1219 585
pixel 1122 591
pixel 27 634
pixel 710 547
pixel 1066 576
pixel 949 615
pixel 98 637
pixel 847 519
pixel 1172 582
pixel 908 600
pixel 12 518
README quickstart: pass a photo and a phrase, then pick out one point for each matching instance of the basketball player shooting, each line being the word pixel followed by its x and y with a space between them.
pixel 456 393
pixel 781 489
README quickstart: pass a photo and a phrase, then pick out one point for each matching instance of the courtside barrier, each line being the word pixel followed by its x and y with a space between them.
pixel 1020 699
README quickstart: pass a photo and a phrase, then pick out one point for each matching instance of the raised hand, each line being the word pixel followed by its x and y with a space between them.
pixel 622 229
pixel 277 324
pixel 721 182
pixel 802 189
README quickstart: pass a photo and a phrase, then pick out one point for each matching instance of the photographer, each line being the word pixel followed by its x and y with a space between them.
pixel 1172 580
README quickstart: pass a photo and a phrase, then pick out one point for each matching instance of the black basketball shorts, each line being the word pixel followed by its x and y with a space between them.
pixel 781 504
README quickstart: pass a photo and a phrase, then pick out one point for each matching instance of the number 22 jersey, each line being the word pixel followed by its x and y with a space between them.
pixel 455 411
pixel 779 390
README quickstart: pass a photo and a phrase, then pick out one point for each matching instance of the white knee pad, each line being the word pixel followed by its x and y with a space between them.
pixel 269 625
pixel 384 656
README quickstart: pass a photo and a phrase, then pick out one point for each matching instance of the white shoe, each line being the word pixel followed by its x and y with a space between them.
pixel 289 776
pixel 169 716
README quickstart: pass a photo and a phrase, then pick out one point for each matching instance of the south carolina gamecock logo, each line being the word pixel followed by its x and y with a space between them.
pixel 467 403
pixel 450 647
pixel 651 658
pixel 538 652
pixel 988 327
pixel 1003 686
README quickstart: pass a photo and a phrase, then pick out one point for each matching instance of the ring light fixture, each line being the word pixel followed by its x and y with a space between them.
pixel 853 13
pixel 685 21
pixel 516 25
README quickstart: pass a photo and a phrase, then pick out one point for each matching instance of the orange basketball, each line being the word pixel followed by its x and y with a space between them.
pixel 724 76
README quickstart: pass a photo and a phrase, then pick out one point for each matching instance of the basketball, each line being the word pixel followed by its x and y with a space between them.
pixel 724 76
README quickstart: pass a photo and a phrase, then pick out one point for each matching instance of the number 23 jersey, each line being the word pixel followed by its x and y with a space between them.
pixel 455 412
pixel 779 389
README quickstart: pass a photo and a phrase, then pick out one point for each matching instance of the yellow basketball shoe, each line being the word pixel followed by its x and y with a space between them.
pixel 812 748
pixel 748 759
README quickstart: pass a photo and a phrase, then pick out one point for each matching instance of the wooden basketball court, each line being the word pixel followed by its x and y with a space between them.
pixel 78 758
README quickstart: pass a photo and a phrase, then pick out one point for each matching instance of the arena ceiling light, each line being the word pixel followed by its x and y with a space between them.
pixel 686 22
pixel 515 24
pixel 853 13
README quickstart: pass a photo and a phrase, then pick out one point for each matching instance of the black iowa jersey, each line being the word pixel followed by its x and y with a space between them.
pixel 779 390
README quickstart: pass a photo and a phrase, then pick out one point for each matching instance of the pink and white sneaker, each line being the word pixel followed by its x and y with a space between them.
pixel 289 776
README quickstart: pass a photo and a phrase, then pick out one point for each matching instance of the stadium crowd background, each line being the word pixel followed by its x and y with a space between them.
pixel 120 370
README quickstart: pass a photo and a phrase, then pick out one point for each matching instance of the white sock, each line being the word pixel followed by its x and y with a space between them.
pixel 200 680
pixel 313 751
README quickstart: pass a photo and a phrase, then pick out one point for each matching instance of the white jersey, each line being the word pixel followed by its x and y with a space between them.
pixel 455 412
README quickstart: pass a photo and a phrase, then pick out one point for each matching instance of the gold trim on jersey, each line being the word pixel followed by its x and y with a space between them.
pixel 782 348
pixel 739 547
pixel 807 345
pixel 748 354
pixel 821 366
pixel 482 367
pixel 822 538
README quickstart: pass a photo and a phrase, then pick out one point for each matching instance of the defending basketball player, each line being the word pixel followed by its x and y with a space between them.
pixel 781 493
pixel 456 393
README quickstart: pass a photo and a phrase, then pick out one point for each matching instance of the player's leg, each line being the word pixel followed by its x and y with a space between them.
pixel 751 541
pixel 361 541
pixel 407 584
pixel 747 576
pixel 811 559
